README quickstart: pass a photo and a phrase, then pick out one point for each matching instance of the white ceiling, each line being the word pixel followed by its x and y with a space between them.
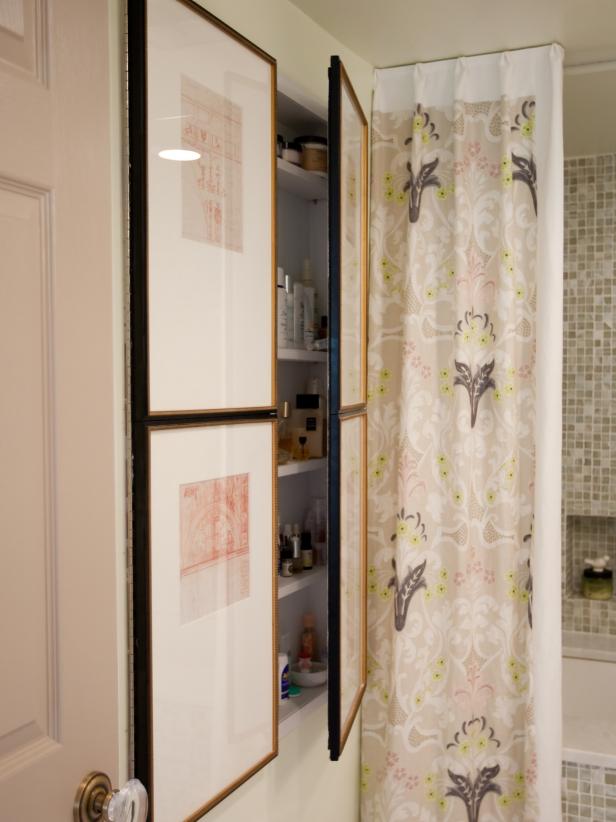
pixel 392 32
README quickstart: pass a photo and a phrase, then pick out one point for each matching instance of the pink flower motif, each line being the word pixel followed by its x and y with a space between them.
pixel 391 758
pixel 416 362
pixel 426 371
pixel 474 149
pixel 399 774
pixel 494 170
pixel 458 578
pixel 488 576
pixel 412 782
pixel 408 348
pixel 380 775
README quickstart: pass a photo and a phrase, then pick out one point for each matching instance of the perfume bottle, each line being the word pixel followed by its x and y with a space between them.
pixel 285 439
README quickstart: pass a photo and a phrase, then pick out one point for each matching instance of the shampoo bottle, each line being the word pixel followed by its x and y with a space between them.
pixel 281 310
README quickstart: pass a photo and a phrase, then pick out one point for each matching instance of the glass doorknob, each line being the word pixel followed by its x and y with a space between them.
pixel 96 801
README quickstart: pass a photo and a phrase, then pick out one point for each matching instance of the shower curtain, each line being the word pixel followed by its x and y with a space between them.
pixel 462 715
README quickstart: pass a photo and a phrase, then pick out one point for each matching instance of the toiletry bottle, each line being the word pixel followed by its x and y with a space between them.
pixel 296 551
pixel 285 439
pixel 308 646
pixel 308 299
pixel 281 310
pixel 298 315
pixel 306 545
pixel 283 676
pixel 288 289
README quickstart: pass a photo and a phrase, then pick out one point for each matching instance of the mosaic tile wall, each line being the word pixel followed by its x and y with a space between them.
pixel 588 793
pixel 589 382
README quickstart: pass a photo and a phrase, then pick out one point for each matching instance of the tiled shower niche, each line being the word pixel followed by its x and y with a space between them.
pixel 588 537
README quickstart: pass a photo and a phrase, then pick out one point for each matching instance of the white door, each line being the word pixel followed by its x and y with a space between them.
pixel 59 454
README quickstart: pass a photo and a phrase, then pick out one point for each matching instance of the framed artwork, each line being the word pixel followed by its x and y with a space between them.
pixel 348 581
pixel 203 223
pixel 348 142
pixel 213 699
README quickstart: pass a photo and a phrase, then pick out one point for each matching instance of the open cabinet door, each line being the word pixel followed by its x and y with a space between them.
pixel 348 255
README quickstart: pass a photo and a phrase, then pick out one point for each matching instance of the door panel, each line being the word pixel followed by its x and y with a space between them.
pixel 58 511
pixel 348 253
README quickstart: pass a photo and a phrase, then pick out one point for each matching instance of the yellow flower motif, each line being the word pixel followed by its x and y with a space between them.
pixel 515 676
pixel 519 778
pixel 386 696
pixel 504 800
pixel 384 262
pixel 506 162
pixel 388 276
pixel 381 390
pixel 442 803
pixel 512 593
pixel 441 662
pixel 467 336
pixel 388 178
pixel 441 589
pixel 377 474
pixel 519 292
pixel 510 269
pixel 490 496
pixel 512 664
pixel 508 389
pixel 372 587
pixel 417 123
pixel 497 395
pixel 511 372
pixel 364 785
pixel 482 743
pixel 446 389
pixel 402 528
pixel 524 596
pixel 507 255
pixel 429 779
pixel 444 472
pixel 443 574
pixel 458 497
pixel 418 700
pixel 371 571
pixel 518 794
pixel 509 576
pixel 441 459
pixel 427 595
pixel 385 594
pixel 484 339
pixel 401 197
pixel 441 193
pixel 385 374
pixel 414 539
pixel 430 293
pixel 425 137
pixel 370 394
pixel 367 770
pixel 437 676
pixel 444 373
pixel 510 475
pixel 507 179
pixel 382 459
pixel 451 273
pixel 465 747
pixel 389 194
pixel 528 127
pixel 431 794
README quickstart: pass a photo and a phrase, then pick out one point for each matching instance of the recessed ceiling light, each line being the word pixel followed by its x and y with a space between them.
pixel 182 155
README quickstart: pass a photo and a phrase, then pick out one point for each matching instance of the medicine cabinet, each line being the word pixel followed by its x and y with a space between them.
pixel 318 416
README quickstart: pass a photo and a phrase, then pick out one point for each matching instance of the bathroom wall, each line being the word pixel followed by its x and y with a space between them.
pixel 589 383
pixel 589 793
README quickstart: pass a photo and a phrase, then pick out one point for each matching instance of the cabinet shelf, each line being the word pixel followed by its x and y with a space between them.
pixel 292 711
pixel 290 585
pixel 301 355
pixel 310 185
pixel 294 467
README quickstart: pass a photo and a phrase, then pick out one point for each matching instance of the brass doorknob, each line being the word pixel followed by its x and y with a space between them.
pixel 96 801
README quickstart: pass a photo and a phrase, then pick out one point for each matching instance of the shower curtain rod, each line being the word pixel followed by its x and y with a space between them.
pixel 479 54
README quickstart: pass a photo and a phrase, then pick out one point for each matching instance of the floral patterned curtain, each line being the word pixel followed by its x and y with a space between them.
pixel 449 728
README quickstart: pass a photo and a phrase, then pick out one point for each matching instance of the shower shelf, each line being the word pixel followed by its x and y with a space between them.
pixel 290 585
pixel 294 711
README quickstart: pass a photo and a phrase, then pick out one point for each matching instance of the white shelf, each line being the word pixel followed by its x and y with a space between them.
pixel 293 711
pixel 290 585
pixel 311 185
pixel 289 469
pixel 301 355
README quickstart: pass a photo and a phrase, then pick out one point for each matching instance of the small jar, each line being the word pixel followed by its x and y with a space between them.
pixel 307 556
pixel 292 153
pixel 296 547
pixel 314 153
pixel 287 568
pixel 597 584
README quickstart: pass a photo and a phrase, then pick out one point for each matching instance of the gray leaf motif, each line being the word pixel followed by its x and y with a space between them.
pixel 476 385
pixel 404 591
pixel 425 179
pixel 472 792
pixel 526 172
